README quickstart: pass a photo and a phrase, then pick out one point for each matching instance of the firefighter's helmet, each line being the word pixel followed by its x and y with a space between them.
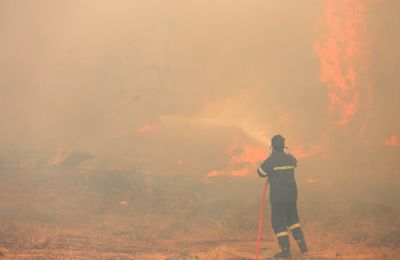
pixel 278 143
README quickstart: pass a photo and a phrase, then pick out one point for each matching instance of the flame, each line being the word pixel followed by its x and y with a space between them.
pixel 179 162
pixel 244 159
pixel 215 173
pixel 240 163
pixel 392 141
pixel 249 155
pixel 339 52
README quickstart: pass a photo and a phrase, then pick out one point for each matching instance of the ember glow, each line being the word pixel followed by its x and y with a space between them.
pixel 134 129
pixel 215 173
pixel 249 155
pixel 340 50
pixel 393 140
pixel 242 160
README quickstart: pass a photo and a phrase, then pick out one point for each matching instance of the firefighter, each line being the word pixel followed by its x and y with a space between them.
pixel 279 168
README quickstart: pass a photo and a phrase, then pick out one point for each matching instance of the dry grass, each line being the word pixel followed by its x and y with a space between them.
pixel 108 219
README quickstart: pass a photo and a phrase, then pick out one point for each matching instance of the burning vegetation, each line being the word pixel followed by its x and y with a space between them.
pixel 341 51
pixel 134 129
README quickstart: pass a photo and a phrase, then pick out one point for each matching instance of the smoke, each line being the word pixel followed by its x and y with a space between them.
pixel 147 120
pixel 198 89
pixel 144 82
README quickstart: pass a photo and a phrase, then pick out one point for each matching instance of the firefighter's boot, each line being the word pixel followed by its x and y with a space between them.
pixel 299 237
pixel 285 247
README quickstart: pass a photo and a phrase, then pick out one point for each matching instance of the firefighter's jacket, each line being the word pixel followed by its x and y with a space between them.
pixel 279 168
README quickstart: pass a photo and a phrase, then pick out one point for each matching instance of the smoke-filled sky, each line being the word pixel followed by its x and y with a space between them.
pixel 198 84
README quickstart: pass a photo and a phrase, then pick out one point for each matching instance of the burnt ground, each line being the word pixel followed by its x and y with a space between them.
pixel 81 214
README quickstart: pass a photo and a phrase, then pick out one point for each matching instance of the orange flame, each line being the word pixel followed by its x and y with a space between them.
pixel 339 52
pixel 242 163
pixel 392 141
pixel 250 155
pixel 215 173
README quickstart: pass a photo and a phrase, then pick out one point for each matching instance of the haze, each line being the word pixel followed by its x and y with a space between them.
pixel 192 92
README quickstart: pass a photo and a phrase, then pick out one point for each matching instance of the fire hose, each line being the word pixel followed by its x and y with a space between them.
pixel 263 196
